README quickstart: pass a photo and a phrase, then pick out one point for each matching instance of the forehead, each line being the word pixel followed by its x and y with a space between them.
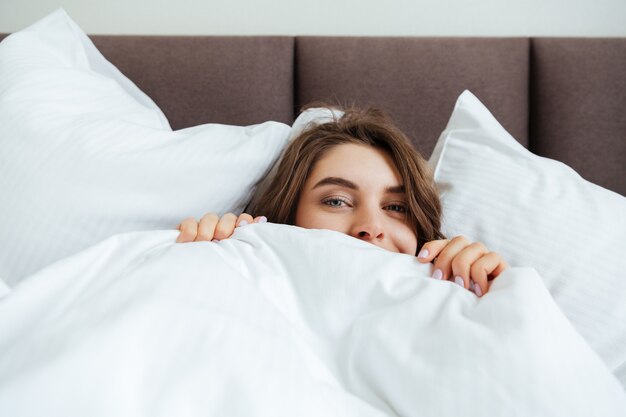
pixel 361 164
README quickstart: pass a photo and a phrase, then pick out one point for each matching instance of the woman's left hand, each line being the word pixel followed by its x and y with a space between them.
pixel 470 265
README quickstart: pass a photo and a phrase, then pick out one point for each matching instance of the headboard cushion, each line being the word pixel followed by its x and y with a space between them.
pixel 203 79
pixel 417 80
pixel 578 102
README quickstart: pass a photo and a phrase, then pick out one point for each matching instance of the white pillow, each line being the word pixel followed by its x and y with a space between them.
pixel 86 155
pixel 538 212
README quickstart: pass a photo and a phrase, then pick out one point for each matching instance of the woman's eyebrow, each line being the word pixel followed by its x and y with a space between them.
pixel 342 182
pixel 396 189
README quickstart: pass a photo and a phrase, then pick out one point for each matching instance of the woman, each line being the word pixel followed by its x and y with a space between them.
pixel 358 174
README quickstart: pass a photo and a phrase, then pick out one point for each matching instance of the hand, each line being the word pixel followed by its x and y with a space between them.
pixel 211 227
pixel 468 264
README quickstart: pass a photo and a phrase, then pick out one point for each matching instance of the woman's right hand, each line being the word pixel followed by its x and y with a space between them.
pixel 212 227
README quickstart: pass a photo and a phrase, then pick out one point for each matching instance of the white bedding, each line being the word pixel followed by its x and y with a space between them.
pixel 283 321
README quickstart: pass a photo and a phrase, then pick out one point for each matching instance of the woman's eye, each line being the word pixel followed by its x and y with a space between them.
pixel 397 207
pixel 334 202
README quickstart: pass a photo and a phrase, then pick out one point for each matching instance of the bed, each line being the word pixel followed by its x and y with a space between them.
pixel 110 141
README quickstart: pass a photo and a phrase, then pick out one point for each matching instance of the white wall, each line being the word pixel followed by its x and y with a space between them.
pixel 331 17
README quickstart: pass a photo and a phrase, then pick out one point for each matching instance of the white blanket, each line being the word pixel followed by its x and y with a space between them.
pixel 283 321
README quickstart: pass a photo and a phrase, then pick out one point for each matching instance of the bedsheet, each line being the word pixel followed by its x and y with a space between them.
pixel 283 321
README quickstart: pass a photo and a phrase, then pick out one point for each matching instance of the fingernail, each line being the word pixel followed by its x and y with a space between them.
pixel 477 290
pixel 243 223
pixel 459 281
pixel 437 274
pixel 214 240
pixel 263 219
pixel 472 285
pixel 423 253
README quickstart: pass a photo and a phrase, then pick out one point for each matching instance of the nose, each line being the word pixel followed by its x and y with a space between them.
pixel 367 226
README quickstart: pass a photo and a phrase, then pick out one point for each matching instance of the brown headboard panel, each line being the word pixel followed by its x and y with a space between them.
pixel 564 98
pixel 201 79
pixel 578 106
pixel 417 80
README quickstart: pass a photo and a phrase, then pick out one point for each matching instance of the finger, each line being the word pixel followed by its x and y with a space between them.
pixel 188 230
pixel 260 219
pixel 463 260
pixel 431 249
pixel 244 219
pixel 443 262
pixel 206 227
pixel 225 226
pixel 489 266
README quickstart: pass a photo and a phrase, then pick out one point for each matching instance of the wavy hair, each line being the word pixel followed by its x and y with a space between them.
pixel 278 198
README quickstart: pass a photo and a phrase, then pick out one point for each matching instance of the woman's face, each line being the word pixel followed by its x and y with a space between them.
pixel 356 190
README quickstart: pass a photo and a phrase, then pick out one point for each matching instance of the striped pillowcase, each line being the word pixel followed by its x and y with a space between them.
pixel 538 212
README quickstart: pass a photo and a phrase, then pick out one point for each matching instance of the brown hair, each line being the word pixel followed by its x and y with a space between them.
pixel 278 200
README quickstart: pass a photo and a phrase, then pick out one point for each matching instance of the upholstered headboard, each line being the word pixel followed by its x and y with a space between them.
pixel 563 98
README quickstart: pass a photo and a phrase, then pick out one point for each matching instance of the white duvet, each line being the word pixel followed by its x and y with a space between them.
pixel 283 321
